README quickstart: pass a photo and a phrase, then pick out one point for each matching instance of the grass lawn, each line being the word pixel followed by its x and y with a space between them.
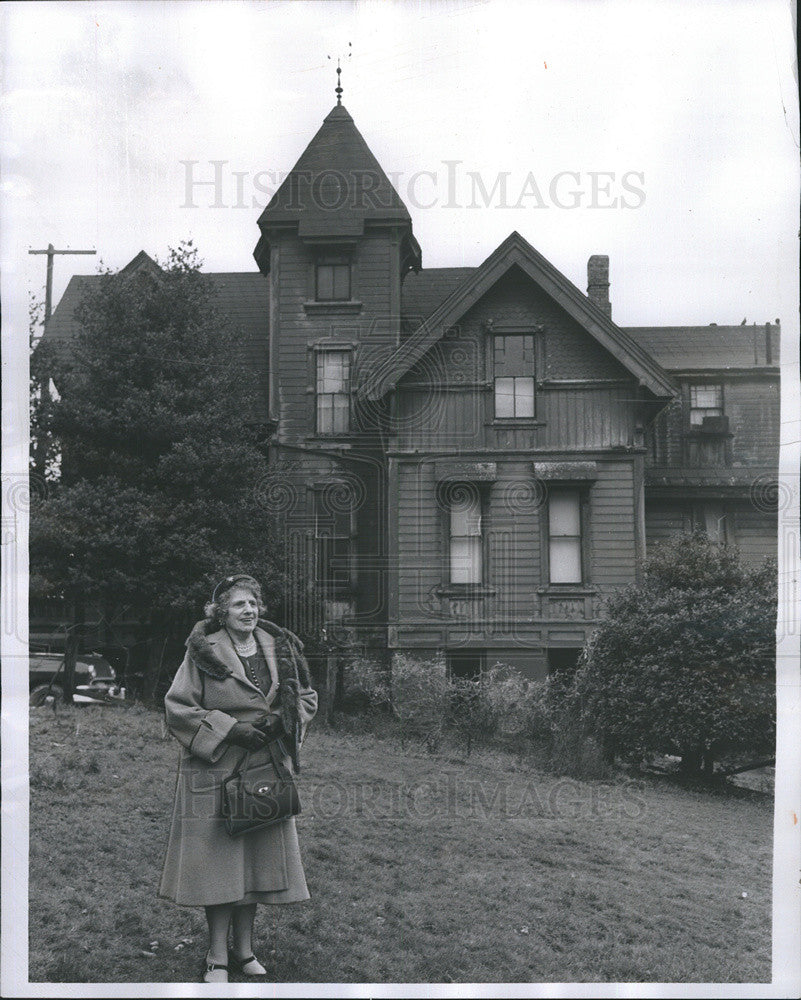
pixel 421 868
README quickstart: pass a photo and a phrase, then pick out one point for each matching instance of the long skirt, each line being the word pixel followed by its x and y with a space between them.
pixel 203 866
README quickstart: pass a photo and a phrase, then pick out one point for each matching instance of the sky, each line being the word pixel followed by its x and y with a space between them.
pixel 665 135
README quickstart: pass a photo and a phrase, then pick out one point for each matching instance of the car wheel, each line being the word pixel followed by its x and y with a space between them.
pixel 42 694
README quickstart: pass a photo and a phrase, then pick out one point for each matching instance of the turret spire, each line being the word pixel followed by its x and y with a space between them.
pixel 338 88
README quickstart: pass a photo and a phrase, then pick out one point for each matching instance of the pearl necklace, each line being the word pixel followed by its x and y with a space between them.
pixel 246 648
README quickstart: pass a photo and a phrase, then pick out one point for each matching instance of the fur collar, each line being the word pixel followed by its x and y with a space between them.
pixel 288 648
pixel 293 672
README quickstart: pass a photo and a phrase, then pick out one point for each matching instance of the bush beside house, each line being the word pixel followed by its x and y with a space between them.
pixel 682 664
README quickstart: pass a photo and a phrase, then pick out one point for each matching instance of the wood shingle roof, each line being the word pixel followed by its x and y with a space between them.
pixel 336 187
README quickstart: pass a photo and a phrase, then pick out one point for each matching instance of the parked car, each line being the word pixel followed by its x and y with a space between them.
pixel 95 679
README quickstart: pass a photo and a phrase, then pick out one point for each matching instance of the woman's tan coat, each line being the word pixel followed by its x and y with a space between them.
pixel 203 865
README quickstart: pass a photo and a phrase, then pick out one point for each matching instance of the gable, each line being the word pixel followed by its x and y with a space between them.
pixel 516 252
pixel 565 352
pixel 423 291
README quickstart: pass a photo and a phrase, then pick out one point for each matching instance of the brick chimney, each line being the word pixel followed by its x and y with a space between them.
pixel 598 282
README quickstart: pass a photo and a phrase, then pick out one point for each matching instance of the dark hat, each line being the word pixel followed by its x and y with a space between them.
pixel 232 581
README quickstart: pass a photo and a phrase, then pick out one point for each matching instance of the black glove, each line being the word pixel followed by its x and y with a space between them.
pixel 243 734
pixel 272 727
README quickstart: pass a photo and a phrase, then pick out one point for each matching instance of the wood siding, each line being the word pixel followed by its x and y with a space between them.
pixel 585 399
pixel 580 418
pixel 751 530
pixel 753 410
pixel 372 328
pixel 517 602
pixel 752 406
pixel 754 533
pixel 664 520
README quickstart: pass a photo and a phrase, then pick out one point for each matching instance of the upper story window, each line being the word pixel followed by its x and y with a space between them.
pixel 513 370
pixel 564 535
pixel 466 544
pixel 705 401
pixel 332 279
pixel 333 392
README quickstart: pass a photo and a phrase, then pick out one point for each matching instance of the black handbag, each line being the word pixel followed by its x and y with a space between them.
pixel 258 795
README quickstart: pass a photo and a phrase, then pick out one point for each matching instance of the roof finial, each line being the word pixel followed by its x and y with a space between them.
pixel 338 88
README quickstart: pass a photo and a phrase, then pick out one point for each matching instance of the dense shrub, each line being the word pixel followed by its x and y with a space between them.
pixel 467 713
pixel 365 684
pixel 683 664
pixel 507 700
pixel 497 705
pixel 420 692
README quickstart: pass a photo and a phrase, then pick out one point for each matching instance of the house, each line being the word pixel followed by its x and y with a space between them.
pixel 472 459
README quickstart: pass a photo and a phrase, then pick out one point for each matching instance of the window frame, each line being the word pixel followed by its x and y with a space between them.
pixel 583 487
pixel 320 353
pixel 448 586
pixel 506 333
pixel 703 512
pixel 478 654
pixel 329 588
pixel 475 553
pixel 575 493
pixel 335 262
pixel 704 411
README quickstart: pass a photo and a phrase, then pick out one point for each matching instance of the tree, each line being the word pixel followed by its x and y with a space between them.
pixel 161 460
pixel 684 664
pixel 43 461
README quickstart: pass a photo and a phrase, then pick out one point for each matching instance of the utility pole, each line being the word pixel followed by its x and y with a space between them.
pixel 39 451
pixel 73 637
pixel 51 252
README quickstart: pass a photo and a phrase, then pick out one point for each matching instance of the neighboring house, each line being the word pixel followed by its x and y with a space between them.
pixel 471 459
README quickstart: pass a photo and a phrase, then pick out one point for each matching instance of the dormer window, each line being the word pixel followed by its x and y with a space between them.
pixel 332 279
pixel 705 401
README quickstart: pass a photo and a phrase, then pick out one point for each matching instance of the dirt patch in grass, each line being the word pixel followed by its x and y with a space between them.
pixel 421 868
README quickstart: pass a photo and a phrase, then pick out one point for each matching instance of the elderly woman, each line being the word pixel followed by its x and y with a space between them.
pixel 243 680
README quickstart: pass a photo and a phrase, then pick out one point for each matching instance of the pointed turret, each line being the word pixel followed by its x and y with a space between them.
pixel 336 188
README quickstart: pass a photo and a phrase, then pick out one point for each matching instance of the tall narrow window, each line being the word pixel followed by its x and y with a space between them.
pixel 564 535
pixel 705 401
pixel 513 367
pixel 465 536
pixel 333 392
pixel 333 533
pixel 332 279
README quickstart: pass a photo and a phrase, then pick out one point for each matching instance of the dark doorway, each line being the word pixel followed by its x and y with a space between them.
pixel 563 659
pixel 465 663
